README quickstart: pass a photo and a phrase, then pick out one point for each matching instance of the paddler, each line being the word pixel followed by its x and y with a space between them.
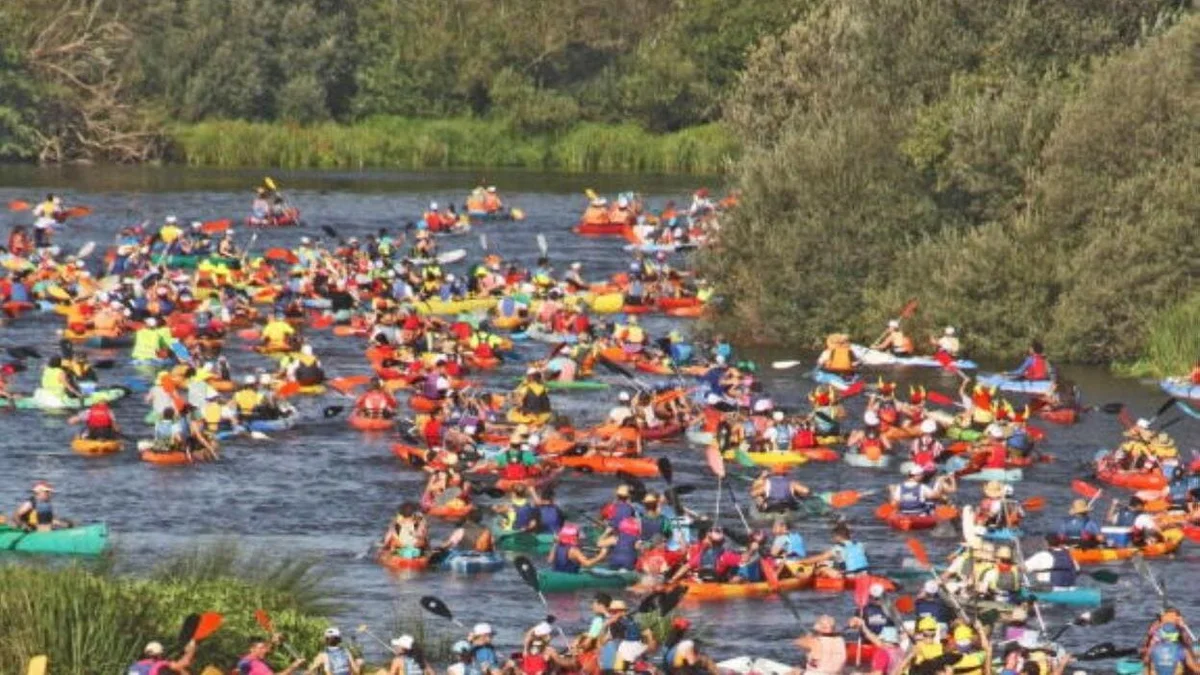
pixel 1166 655
pixel 226 248
pixel 625 641
pixel 278 334
pixel 408 535
pixel 825 647
pixel 566 556
pixel 1054 566
pixel 376 402
pixel 46 215
pixel 619 509
pixel 153 662
pixel 774 492
pixel 894 340
pixel 870 440
pixel 247 398
pixel 682 654
pixel 36 513
pixel 913 497
pixel 148 342
pixel 531 397
pixel 623 544
pixel 254 662
pixel 847 555
pixel 888 654
pixel 1035 367
pixel 786 544
pixel 491 200
pixel 1078 529
pixel 926 449
pixel 1133 522
pixel 56 383
pixel 838 358
pixel 99 422
pixel 947 344
pixel 972 648
pixel 407 658
pixel 306 369
pixel 1001 580
pixel 996 510
pixel 334 659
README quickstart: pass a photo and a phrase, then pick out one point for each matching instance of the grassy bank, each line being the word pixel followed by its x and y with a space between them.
pixel 401 143
pixel 1172 343
pixel 94 621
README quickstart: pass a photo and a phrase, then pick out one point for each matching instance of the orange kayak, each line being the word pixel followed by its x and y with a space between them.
pixel 708 591
pixel 1060 416
pixel 422 404
pixel 396 562
pixel 363 423
pixel 89 446
pixel 1095 556
pixel 1135 480
pixel 837 584
pixel 175 458
pixel 641 467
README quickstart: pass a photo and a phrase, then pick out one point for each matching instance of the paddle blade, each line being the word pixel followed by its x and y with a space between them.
pixel 210 622
pixel 1034 503
pixel 1105 576
pixel 282 255
pixel 918 551
pixel 434 605
pixel 784 365
pixel 669 600
pixel 743 458
pixel 885 511
pixel 517 214
pixel 945 512
pixel 332 411
pixel 250 334
pixel 288 389
pixel 853 390
pixel 347 384
pixel 664 468
pixel 1164 407
pixel 188 630
pixel 18 205
pixel 1112 408
pixel 938 398
pixel 716 463
pixel 906 604
pixel 38 665
pixel 322 322
pixel 844 499
pixel 264 620
pixel 771 573
pixel 86 250
pixel 542 246
pixel 77 212
pixel 216 226
pixel 1101 615
pixel 862 590
pixel 909 308
pixel 1084 489
pixel 270 183
pixel 527 571
pixel 649 603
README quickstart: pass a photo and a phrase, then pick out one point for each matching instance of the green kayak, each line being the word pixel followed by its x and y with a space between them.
pixel 550 581
pixel 43 401
pixel 576 385
pixel 961 434
pixel 524 542
pixel 82 540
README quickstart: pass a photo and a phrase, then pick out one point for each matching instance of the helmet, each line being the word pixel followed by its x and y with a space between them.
pixel 461 647
pixel 929 427
pixel 927 625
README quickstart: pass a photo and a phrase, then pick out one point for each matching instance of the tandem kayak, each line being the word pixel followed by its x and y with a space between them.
pixel 1005 383
pixel 875 357
pixel 785 458
pixel 642 467
pixel 550 581
pixel 1095 556
pixel 1134 480
pixel 576 385
pixel 708 591
pixel 82 540
pixel 1180 387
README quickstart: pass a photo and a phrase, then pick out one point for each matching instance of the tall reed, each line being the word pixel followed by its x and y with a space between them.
pixel 1172 342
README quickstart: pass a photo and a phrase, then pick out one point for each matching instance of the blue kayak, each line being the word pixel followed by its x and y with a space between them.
pixel 1002 475
pixel 1181 388
pixel 1004 382
pixel 1002 535
pixel 1074 597
pixel 833 379
pixel 471 562
pixel 271 425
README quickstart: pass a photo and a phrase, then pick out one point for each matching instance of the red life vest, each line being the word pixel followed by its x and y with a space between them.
pixel 997 456
pixel 804 438
pixel 99 418
pixel 534 664
pixel 1038 369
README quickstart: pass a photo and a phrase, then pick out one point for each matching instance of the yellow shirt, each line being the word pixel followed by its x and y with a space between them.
pixel 169 233
pixel 277 332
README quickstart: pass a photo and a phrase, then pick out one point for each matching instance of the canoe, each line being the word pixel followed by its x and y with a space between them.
pixel 81 540
pixel 837 381
pixel 576 385
pixel 363 423
pixel 523 542
pixel 747 665
pixel 40 400
pixel 788 458
pixel 1095 556
pixel 875 357
pixel 171 458
pixel 708 591
pixel 1064 416
pixel 642 467
pixel 1134 480
pixel 550 581
pixel 1002 475
pixel 1005 383
pixel 1181 387
pixel 860 460
pixel 1075 597
pixel 89 446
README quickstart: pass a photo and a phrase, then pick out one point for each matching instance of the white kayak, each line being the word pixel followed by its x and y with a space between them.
pixel 875 357
pixel 1180 387
pixel 746 665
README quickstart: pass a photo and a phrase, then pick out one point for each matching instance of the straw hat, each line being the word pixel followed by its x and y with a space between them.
pixel 1079 507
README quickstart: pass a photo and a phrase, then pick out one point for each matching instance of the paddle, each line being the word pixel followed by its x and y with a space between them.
pixel 529 575
pixel 922 556
pixel 1085 490
pixel 18 205
pixel 542 246
pixel 77 212
pixel 785 365
pixel 1036 503
pixel 1097 617
pixel 290 388
pixel 38 664
pixel 188 630
pixel 330 232
pixel 938 398
pixel 85 250
pixel 215 226
pixel 435 606
pixel 282 255
pixel 263 619
pixel 347 384
pixel 843 499
pixel 332 411
pixel 1105 651
pixel 665 470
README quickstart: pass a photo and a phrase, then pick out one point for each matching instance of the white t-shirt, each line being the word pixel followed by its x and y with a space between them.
pixel 619 414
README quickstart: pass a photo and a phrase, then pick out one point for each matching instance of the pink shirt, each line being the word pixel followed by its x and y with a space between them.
pixel 252 666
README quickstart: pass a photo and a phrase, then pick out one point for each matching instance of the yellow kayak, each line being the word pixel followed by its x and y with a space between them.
pixel 772 458
pixel 89 446
pixel 607 303
pixel 436 306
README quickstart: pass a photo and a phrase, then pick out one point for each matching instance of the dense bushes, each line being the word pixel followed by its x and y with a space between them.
pixel 1028 169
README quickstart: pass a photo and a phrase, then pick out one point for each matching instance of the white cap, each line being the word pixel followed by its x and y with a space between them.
pixel 916 471
pixel 1143 423
pixel 576 265
pixel 491 188
pixel 949 330
pixel 306 350
pixel 762 405
pixel 622 202
pixel 777 415
pixel 403 642
pixel 152 322
pixel 876 590
pixel 542 629
pixel 433 206
pixel 995 431
pixel 172 219
pixel 482 629
pixel 470 429
pixel 153 649
pixel 893 324
pixel 623 397
pixel 712 399
pixel 249 379
pixel 871 418
pixel 333 632
pixel 930 587
pixel 197 224
pixel 305 240
pixel 929 427
pixel 531 371
pixel 265 378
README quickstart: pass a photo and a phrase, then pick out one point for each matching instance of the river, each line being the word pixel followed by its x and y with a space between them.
pixel 325 490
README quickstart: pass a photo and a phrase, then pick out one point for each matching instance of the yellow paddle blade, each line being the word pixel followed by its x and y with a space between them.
pixel 38 665
pixel 591 194
pixel 269 183
pixel 517 214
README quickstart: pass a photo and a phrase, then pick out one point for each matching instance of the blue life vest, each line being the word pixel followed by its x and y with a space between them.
pixel 724 349
pixel 525 515
pixel 933 607
pixel 875 617
pixel 1019 440
pixel 19 293
pixel 910 498
pixel 44 511
pixel 485 656
pixel 854 557
pixel 681 352
pixel 562 563
pixel 621 511
pixel 508 307
pixel 792 544
pixel 779 492
pixel 783 435
pixel 550 517
pixel 1063 574
pixel 1166 658
pixel 339 660
pixel 652 526
pixel 623 555
pixel 751 571
pixel 147 667
pixel 1177 492
pixel 668 660
pixel 1074 526
pixel 708 558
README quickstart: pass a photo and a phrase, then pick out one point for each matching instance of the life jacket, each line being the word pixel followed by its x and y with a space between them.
pixel 617 511
pixel 524 516
pixel 910 498
pixel 514 468
pixel 485 656
pixel 41 514
pixel 339 660
pixel 997 456
pixel 1063 573
pixel 536 400
pixel 871 444
pixel 1177 492
pixel 52 381
pixel 148 667
pixel 247 665
pixel 1039 368
pixel 146 343
pixel 534 664
pixel 653 525
pixel 854 557
pixel 550 517
pixel 803 438
pixel 792 545
pixel 624 554
pixel 1074 527
pixel 971 663
pixel 779 492
pixel 406 532
pixel 562 562
pixel 783 435
pixel 888 413
pixel 934 608
pixel 1167 658
pixel 1008 581
pixel 99 418
pixel 841 360
pixel 246 400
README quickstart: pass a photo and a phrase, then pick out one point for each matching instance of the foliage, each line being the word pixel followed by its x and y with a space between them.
pixel 93 622
pixel 1021 168
pixel 1172 342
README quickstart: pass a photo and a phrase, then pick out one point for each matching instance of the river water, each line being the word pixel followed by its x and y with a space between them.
pixel 326 490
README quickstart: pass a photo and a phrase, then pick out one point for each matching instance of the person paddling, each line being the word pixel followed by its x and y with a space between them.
pixel 254 661
pixel 154 663
pixel 334 659
pixel 1035 367
pixel 36 513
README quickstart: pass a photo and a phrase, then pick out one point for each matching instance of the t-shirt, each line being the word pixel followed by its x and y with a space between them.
pixel 884 660
pixel 596 627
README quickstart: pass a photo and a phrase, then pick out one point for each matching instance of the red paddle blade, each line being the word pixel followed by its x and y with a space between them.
pixel 288 389
pixel 853 390
pixel 18 205
pixel 263 619
pixel 905 604
pixel 885 511
pixel 862 590
pixel 771 573
pixel 1085 490
pixel 918 551
pixel 938 398
pixel 249 334
pixel 78 212
pixel 347 384
pixel 909 308
pixel 322 322
pixel 209 623
pixel 216 226
pixel 844 499
pixel 281 255
pixel 1034 504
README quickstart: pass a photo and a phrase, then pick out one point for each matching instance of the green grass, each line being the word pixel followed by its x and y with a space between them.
pixel 1172 343
pixel 401 143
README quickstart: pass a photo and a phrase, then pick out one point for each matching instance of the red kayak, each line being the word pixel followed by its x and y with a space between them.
pixel 678 303
pixel 1134 480
pixel 662 431
pixel 289 218
pixel 906 522
pixel 819 454
pixel 602 229
pixel 837 584
pixel 1060 415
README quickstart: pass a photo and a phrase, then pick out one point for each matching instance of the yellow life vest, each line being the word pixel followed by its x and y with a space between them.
pixel 212 415
pixel 145 344
pixel 841 360
pixel 52 381
pixel 246 400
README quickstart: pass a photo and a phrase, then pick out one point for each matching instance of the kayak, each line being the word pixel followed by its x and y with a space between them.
pixel 820 453
pixel 363 423
pixel 1074 597
pixel 607 303
pixel 1002 475
pixel 100 341
pixel 837 381
pixel 280 424
pixel 1064 416
pixel 536 333
pixel 1180 387
pixel 875 357
pixel 1134 480
pixel 746 665
pixel 97 446
pixel 1005 383
pixel 41 400
pixel 170 458
pixel 289 217
pixel 470 306
pixel 601 229
pixel 576 385
pixel 963 434
pixel 911 521
pixel 396 562
pixel 860 460
pixel 839 584
pixel 698 436
pixel 706 591
pixel 787 458
pixel 550 581
pixel 662 431
pixel 523 542
pixel 1095 556
pixel 81 540
pixel 641 467
pixel 790 516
